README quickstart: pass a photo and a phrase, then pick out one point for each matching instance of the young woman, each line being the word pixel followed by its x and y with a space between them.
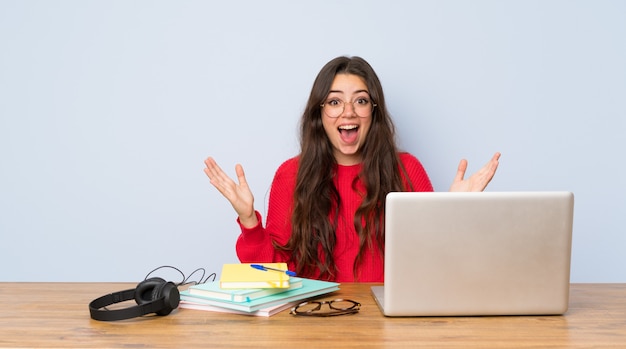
pixel 326 206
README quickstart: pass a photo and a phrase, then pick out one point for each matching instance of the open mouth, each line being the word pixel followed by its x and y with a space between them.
pixel 348 133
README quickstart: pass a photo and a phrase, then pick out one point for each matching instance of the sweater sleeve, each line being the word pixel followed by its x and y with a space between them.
pixel 416 173
pixel 257 244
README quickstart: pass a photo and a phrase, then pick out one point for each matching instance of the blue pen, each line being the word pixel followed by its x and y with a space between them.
pixel 264 268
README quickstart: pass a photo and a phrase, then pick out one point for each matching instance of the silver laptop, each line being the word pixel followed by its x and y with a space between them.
pixel 466 254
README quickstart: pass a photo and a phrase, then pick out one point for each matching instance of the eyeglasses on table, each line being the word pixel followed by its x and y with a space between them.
pixel 335 307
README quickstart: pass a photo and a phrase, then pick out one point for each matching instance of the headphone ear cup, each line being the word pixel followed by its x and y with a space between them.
pixel 147 289
pixel 170 292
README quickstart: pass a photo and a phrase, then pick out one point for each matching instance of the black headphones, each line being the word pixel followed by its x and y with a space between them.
pixel 153 295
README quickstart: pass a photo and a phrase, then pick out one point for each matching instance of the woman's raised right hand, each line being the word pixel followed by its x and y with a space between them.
pixel 239 195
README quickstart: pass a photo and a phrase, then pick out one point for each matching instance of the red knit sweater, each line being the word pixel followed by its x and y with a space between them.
pixel 255 244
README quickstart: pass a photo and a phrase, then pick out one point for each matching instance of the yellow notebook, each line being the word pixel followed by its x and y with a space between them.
pixel 242 275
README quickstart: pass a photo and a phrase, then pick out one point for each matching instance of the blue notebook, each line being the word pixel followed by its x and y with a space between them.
pixel 215 291
pixel 310 288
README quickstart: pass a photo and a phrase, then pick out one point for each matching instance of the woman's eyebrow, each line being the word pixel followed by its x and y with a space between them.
pixel 355 92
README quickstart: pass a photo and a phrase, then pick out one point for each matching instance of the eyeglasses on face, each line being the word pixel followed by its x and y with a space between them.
pixel 335 307
pixel 334 107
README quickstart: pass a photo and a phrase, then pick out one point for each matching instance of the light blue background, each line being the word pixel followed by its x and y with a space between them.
pixel 108 109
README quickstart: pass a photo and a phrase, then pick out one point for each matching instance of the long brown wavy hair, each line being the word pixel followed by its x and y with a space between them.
pixel 316 199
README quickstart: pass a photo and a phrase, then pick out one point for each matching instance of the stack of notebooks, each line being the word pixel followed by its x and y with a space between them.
pixel 243 289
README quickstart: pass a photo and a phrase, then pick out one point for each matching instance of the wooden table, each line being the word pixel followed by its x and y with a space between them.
pixel 56 315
